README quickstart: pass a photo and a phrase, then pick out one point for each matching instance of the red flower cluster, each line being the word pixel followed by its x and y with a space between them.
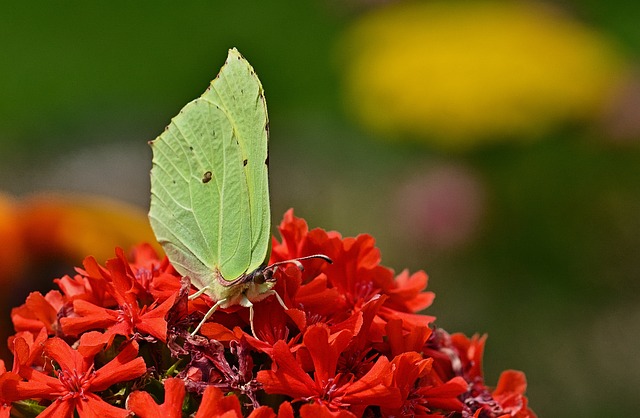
pixel 117 340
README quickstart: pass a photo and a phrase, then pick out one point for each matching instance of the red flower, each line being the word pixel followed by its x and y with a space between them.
pixel 128 319
pixel 142 404
pixel 214 403
pixel 349 343
pixel 401 341
pixel 406 298
pixel 272 324
pixel 470 352
pixel 5 406
pixel 89 284
pixel 27 349
pixel 409 368
pixel 422 391
pixel 510 394
pixel 355 273
pixel 326 387
pixel 156 276
pixel 321 411
pixel 37 312
pixel 298 241
pixel 315 297
pixel 458 355
pixel 74 386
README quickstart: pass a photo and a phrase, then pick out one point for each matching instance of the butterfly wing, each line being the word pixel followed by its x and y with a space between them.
pixel 209 181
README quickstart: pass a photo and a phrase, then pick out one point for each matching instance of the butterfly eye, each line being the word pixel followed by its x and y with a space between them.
pixel 268 275
pixel 259 278
pixel 263 276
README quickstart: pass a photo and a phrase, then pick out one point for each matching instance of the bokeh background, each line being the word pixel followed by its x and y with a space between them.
pixel 495 145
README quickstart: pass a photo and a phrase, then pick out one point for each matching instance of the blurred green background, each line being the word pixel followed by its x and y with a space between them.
pixel 529 230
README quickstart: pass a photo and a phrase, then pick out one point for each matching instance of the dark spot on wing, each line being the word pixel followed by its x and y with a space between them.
pixel 190 148
pixel 267 160
pixel 206 178
pixel 245 162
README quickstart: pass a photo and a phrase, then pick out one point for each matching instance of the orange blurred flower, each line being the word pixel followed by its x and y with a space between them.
pixel 65 227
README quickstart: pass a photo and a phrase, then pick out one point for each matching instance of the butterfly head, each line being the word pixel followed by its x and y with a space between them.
pixel 263 276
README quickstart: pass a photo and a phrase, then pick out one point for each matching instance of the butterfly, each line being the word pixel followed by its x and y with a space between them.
pixel 210 206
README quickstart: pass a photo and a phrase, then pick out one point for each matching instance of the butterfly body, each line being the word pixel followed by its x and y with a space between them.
pixel 252 287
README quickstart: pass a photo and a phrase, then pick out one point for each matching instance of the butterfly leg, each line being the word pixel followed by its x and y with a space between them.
pixel 199 293
pixel 208 315
pixel 274 293
pixel 253 330
pixel 247 303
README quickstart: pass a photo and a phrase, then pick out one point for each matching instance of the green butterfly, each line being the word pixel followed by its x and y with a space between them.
pixel 210 193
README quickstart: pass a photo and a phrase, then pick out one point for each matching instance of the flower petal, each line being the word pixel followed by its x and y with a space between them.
pixel 321 411
pixel 68 358
pixel 375 387
pixel 143 405
pixel 173 397
pixel 445 396
pixel 153 322
pixel 125 366
pixel 289 378
pixel 285 410
pixel 59 409
pixel 92 406
pixel 90 316
pixel 214 404
pixel 324 354
pixel 263 412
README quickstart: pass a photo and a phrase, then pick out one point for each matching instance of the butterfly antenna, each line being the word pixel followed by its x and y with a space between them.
pixel 297 261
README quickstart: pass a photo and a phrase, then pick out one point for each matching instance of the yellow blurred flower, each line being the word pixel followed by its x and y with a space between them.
pixel 457 73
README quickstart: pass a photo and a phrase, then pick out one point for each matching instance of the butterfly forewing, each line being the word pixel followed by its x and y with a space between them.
pixel 240 92
pixel 209 197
